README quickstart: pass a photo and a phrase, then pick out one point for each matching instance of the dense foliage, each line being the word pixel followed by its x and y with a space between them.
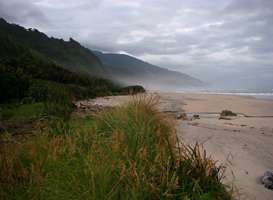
pixel 134 89
pixel 70 54
pixel 29 76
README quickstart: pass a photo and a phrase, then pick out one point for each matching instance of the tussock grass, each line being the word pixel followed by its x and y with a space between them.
pixel 130 152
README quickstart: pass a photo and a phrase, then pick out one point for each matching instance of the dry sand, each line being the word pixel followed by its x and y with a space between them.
pixel 243 144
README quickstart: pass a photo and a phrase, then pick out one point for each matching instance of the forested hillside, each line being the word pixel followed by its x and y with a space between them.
pixel 70 54
pixel 29 77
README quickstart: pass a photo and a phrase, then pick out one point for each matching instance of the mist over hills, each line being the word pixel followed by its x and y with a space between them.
pixel 130 70
pixel 71 55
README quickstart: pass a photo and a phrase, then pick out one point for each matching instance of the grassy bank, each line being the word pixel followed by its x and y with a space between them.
pixel 129 152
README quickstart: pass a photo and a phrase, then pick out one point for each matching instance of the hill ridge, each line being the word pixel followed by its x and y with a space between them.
pixel 73 56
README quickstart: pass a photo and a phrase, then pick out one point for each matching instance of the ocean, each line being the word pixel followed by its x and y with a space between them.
pixel 261 94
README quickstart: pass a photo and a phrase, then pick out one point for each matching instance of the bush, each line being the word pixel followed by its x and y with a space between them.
pixel 12 87
pixel 22 111
pixel 57 98
pixel 131 90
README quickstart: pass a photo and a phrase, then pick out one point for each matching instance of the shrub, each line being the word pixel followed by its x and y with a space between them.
pixel 22 111
pixel 57 98
pixel 12 87
pixel 134 89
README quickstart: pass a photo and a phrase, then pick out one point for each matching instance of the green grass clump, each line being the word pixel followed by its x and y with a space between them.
pixel 130 152
pixel 21 111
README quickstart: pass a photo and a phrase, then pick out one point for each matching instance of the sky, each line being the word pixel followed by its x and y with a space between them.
pixel 225 42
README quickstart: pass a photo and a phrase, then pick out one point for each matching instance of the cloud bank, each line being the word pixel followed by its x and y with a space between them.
pixel 226 42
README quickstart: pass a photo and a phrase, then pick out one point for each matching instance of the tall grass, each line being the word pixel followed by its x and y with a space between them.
pixel 130 152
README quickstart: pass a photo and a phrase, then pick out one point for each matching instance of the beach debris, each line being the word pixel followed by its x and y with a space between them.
pixel 226 113
pixel 86 108
pixel 224 118
pixel 193 124
pixel 196 116
pixel 181 116
pixel 267 179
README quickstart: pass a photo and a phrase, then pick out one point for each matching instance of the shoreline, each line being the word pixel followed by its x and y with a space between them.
pixel 257 95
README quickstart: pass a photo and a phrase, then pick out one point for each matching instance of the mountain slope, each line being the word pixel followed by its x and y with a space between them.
pixel 70 54
pixel 73 56
pixel 28 74
pixel 130 70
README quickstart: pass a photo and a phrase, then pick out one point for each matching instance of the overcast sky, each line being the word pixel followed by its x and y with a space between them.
pixel 215 41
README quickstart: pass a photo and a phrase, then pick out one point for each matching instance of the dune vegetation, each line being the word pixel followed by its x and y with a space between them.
pixel 128 152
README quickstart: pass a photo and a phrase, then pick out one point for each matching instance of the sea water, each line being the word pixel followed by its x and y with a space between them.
pixel 257 93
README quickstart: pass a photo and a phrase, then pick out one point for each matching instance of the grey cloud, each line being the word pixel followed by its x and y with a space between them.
pixel 213 40
pixel 23 12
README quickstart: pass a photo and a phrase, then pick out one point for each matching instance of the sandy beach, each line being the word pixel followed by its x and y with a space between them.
pixel 244 144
